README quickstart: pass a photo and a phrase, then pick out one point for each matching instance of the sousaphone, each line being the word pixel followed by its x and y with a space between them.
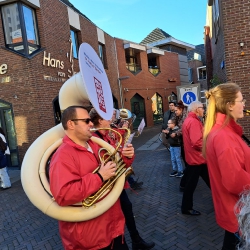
pixel 90 84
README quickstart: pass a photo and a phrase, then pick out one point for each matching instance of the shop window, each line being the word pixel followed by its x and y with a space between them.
pixel 133 61
pixel 102 54
pixel 20 28
pixel 153 64
pixel 75 45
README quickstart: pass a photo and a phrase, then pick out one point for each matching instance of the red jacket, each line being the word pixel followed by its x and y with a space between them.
pixel 229 169
pixel 192 132
pixel 71 181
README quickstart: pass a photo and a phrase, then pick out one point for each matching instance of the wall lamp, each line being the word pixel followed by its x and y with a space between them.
pixel 123 78
pixel 126 89
pixel 241 46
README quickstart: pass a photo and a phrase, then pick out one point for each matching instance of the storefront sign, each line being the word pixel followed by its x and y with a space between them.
pixel 55 63
pixel 54 79
pixel 3 69
pixel 5 79
pixel 51 62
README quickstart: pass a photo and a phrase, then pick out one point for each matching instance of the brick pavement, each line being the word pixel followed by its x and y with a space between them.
pixel 156 208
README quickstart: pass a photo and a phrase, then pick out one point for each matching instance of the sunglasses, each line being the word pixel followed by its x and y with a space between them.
pixel 86 120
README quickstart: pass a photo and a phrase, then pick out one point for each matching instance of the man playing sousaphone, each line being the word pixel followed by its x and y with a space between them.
pixel 72 180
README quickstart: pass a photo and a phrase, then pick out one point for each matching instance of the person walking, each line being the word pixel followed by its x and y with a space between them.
pixel 227 156
pixel 192 131
pixel 126 205
pixel 4 150
pixel 175 149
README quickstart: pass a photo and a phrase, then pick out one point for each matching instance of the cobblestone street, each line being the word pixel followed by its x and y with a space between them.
pixel 156 208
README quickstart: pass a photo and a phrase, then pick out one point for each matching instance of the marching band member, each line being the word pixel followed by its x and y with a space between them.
pixel 72 180
pixel 127 154
pixel 227 156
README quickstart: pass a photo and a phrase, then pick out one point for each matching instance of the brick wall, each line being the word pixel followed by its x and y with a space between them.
pixel 237 29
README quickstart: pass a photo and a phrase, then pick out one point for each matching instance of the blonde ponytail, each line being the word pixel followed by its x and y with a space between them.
pixel 218 99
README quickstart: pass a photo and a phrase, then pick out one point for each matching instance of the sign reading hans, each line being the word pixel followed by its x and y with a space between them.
pixel 188 93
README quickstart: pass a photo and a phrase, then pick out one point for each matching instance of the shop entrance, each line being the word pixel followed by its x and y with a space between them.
pixel 138 108
pixel 7 124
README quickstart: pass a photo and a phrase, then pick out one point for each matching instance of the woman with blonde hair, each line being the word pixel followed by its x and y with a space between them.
pixel 227 156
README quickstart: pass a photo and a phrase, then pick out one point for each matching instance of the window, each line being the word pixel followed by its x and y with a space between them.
pixel 202 73
pixel 20 28
pixel 74 40
pixel 133 62
pixel 216 18
pixel 153 64
pixel 190 75
pixel 102 54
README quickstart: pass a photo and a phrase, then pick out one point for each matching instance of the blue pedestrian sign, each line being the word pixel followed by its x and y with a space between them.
pixel 188 93
pixel 189 97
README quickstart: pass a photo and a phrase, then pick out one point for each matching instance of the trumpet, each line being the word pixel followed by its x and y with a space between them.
pixel 122 116
pixel 246 111
pixel 120 169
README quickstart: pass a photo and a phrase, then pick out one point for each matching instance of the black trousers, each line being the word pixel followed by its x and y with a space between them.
pixel 230 241
pixel 192 174
pixel 117 244
pixel 127 210
pixel 184 177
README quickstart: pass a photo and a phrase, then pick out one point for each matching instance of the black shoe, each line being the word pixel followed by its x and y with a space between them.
pixel 136 185
pixel 142 245
pixel 191 212
pixel 2 189
pixel 173 173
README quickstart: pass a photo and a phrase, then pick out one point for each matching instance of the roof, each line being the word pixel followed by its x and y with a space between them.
pixel 69 4
pixel 156 35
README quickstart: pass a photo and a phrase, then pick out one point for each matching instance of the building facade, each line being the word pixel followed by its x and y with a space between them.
pixel 39 43
pixel 227 42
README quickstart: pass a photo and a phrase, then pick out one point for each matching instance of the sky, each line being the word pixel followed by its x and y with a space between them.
pixel 133 20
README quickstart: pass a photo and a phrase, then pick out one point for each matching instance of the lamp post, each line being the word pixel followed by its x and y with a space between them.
pixel 120 88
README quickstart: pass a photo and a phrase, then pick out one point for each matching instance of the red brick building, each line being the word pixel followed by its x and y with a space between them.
pixel 39 42
pixel 227 43
pixel 147 76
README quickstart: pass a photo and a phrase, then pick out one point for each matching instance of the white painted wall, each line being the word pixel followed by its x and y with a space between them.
pixel 74 20
pixel 100 35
